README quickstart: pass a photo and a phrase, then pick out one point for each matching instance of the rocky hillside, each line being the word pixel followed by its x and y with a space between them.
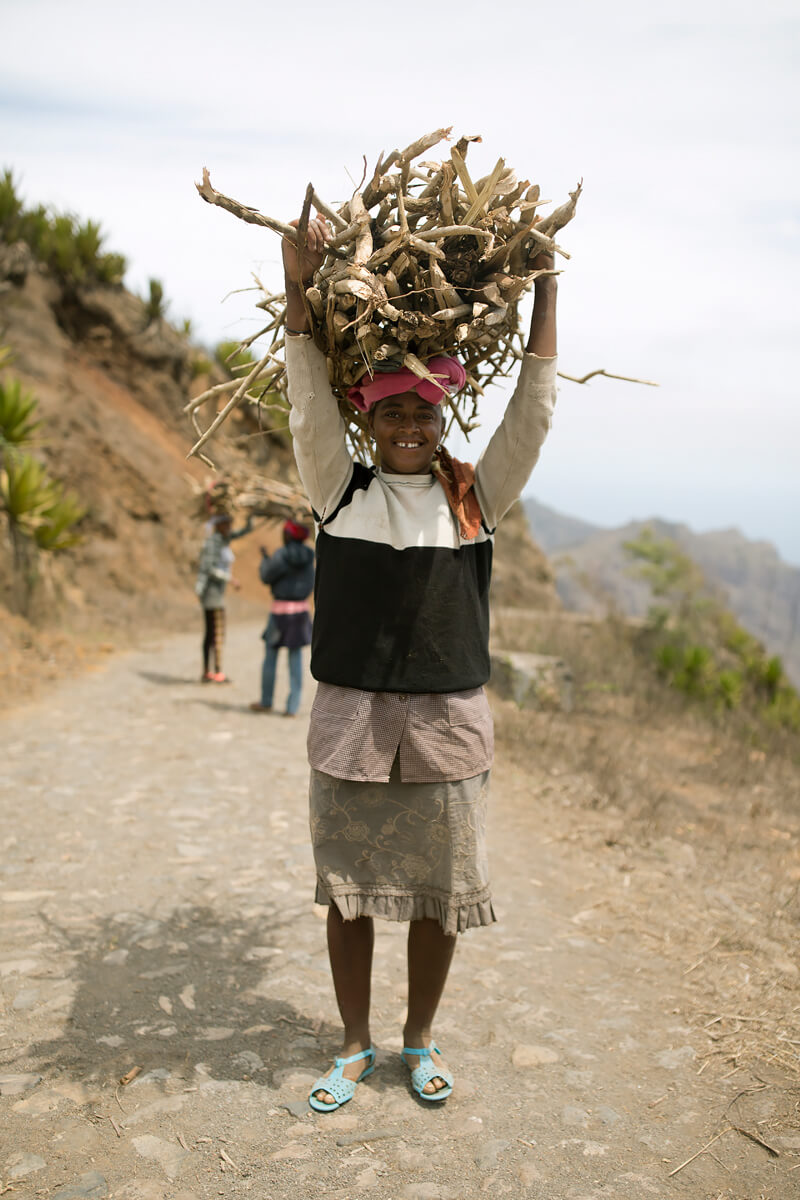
pixel 593 571
pixel 110 387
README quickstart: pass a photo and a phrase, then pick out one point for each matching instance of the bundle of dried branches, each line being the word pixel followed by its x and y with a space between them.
pixel 423 260
pixel 248 493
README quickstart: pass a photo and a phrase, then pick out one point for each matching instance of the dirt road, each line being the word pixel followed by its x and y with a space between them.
pixel 155 899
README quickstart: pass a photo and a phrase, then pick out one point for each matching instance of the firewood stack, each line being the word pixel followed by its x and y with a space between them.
pixel 422 261
pixel 246 493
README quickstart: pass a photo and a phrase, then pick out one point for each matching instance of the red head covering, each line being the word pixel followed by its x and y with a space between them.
pixel 297 532
pixel 448 371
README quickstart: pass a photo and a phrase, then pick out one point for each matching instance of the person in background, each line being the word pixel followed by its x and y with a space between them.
pixel 289 573
pixel 214 574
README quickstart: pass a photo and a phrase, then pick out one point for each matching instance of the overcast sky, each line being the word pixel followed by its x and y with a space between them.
pixel 681 118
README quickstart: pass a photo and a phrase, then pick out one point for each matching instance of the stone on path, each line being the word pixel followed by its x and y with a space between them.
pixel 20 1165
pixel 291 1151
pixel 14 1085
pixel 533 1056
pixel 298 1108
pixel 25 998
pixel 91 1186
pixel 573 1114
pixel 488 1154
pixel 170 1158
pixel 166 1104
pixel 367 1135
pixel 529 1173
pixel 672 1059
pixel 428 1191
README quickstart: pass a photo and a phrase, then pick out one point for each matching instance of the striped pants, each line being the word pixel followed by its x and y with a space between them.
pixel 214 637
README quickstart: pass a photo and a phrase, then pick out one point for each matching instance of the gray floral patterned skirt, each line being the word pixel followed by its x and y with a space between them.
pixel 402 851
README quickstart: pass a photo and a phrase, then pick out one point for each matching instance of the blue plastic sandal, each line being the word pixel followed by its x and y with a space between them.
pixel 427 1071
pixel 337 1086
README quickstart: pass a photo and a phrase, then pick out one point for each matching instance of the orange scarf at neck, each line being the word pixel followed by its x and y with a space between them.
pixel 458 479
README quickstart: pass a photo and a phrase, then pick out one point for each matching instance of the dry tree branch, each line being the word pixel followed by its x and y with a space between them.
pixel 608 375
pixel 423 260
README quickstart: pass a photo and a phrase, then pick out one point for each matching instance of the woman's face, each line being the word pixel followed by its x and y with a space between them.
pixel 407 430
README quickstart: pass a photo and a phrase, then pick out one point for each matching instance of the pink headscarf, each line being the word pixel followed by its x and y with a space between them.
pixel 393 383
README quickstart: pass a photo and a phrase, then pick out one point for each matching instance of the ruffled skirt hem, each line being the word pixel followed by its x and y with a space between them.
pixel 455 914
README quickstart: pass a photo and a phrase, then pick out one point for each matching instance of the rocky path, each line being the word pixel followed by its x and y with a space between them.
pixel 155 900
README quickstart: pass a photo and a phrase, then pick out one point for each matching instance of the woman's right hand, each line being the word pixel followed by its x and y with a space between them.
pixel 313 253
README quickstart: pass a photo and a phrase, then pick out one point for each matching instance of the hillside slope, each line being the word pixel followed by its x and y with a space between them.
pixel 593 571
pixel 111 388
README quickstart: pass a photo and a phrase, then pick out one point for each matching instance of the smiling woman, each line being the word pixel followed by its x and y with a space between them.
pixel 400 741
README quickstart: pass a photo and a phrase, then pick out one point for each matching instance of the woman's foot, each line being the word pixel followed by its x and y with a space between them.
pixel 257 706
pixel 434 1060
pixel 347 1070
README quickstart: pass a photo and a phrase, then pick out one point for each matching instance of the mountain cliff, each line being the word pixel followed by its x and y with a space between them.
pixel 593 573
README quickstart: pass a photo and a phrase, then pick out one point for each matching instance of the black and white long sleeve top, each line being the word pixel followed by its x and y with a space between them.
pixel 401 598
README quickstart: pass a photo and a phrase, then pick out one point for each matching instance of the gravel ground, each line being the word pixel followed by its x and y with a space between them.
pixel 156 903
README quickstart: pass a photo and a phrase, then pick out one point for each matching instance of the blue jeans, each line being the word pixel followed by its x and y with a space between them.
pixel 295 677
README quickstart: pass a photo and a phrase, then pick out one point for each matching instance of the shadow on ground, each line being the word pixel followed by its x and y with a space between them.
pixel 166 995
pixel 168 680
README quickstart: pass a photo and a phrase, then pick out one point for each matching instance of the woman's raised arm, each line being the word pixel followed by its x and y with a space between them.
pixel 315 422
pixel 506 464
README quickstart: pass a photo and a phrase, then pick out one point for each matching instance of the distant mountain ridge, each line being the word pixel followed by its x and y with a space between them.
pixel 593 572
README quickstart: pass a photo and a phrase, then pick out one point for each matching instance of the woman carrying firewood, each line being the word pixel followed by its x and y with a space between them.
pixel 400 741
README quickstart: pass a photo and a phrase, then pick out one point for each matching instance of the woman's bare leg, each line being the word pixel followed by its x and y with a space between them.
pixel 350 951
pixel 430 953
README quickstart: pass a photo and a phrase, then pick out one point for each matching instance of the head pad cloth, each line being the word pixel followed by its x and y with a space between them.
pixel 297 532
pixel 449 372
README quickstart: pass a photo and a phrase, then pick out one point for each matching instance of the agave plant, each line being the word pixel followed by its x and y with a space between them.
pixel 57 528
pixel 155 306
pixel 17 408
pixel 10 207
pixel 36 505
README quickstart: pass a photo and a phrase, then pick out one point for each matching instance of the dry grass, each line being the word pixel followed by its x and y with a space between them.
pixel 705 826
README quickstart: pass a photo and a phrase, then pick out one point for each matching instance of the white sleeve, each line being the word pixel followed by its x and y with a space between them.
pixel 513 450
pixel 316 425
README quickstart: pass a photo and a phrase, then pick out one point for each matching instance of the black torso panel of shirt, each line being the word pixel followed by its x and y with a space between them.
pixel 412 620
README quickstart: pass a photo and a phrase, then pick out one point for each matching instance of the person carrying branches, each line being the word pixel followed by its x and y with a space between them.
pixel 214 573
pixel 400 738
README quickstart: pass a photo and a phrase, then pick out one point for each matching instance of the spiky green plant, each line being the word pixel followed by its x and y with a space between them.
pixel 88 240
pixel 56 529
pixel 10 207
pixel 37 506
pixel 155 306
pixel 110 268
pixel 17 413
